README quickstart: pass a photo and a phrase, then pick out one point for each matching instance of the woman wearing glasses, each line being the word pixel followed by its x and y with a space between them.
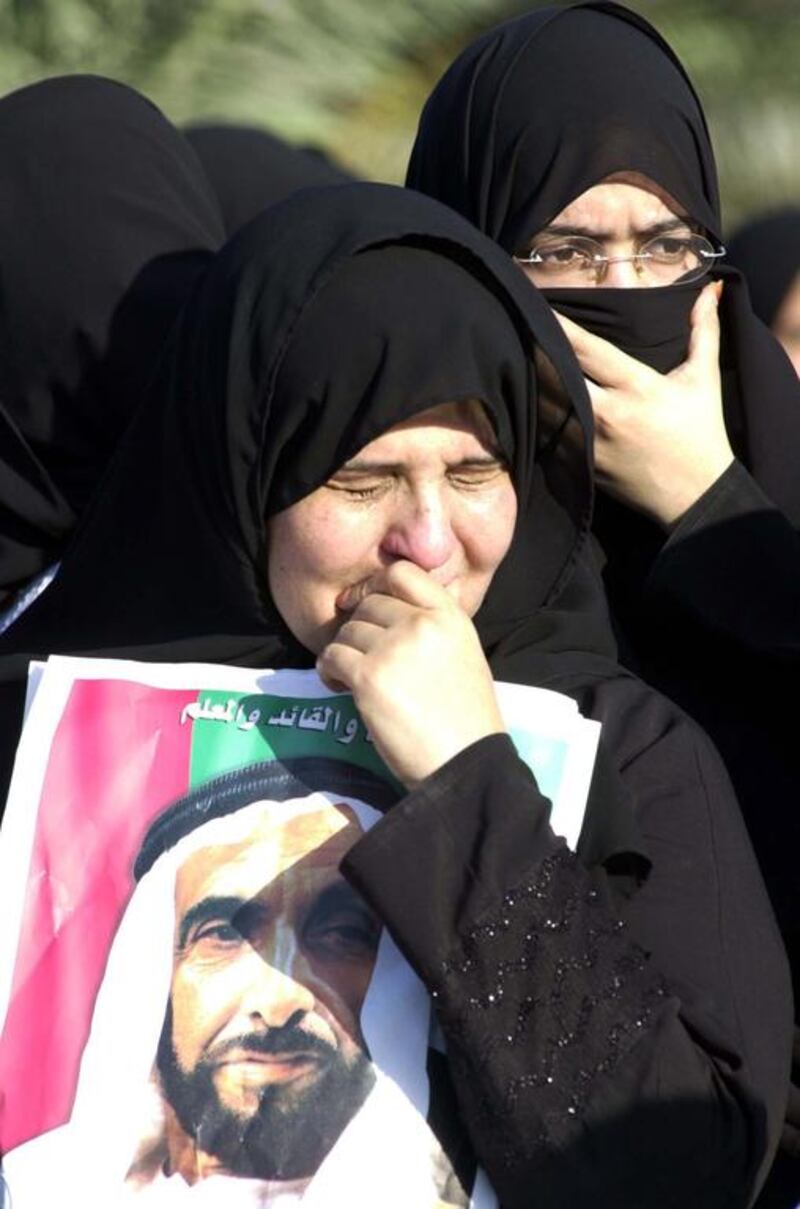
pixel 573 137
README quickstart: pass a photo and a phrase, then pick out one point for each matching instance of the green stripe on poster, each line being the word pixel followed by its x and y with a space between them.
pixel 231 730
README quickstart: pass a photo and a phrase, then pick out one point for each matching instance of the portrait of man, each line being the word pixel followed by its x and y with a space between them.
pixel 260 1068
pixel 261 1060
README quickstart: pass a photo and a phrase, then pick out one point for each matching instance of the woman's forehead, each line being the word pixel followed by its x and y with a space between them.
pixel 621 199
pixel 454 430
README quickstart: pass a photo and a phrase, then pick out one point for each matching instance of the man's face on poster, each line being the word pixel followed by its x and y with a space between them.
pixel 261 1056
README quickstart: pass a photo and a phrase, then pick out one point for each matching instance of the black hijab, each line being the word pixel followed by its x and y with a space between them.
pixel 328 319
pixel 250 169
pixel 287 360
pixel 542 108
pixel 105 221
pixel 767 252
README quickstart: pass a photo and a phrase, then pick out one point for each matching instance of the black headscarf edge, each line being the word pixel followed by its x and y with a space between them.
pixel 452 98
pixel 415 220
pixel 533 320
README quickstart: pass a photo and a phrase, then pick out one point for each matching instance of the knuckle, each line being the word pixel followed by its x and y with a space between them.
pixel 396 575
pixel 420 624
pixel 343 634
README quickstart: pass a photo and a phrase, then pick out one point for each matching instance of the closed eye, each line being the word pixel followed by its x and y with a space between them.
pixel 360 488
pixel 476 477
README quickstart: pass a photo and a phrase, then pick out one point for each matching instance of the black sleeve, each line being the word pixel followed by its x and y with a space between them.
pixel 722 611
pixel 732 564
pixel 604 1050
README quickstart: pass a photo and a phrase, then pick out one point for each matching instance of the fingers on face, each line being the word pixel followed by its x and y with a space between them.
pixel 406 581
pixel 601 361
pixel 358 634
pixel 367 625
pixel 606 410
pixel 704 332
pixel 381 610
pixel 573 331
pixel 401 580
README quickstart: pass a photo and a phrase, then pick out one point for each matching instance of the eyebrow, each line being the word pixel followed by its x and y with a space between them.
pixel 217 907
pixel 658 228
pixel 341 896
pixel 365 466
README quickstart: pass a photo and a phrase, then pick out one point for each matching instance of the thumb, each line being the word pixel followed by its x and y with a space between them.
pixel 704 328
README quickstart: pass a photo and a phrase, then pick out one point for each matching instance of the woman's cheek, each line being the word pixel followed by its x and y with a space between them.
pixel 489 526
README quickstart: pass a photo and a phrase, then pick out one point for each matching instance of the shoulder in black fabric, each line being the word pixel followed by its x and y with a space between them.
pixel 36 518
pixel 766 250
pixel 105 221
pixel 250 169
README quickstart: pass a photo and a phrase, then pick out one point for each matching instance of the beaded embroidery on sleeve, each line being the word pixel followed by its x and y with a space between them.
pixel 518 990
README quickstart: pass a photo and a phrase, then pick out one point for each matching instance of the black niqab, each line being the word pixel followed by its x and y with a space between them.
pixel 105 221
pixel 651 325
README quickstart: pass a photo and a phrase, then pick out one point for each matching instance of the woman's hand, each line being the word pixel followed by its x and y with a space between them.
pixel 660 439
pixel 412 660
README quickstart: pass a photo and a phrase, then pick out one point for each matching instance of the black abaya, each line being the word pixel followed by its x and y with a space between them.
pixel 618 1019
pixel 250 169
pixel 526 119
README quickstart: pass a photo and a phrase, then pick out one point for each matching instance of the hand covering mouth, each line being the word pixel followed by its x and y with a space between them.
pixel 351 597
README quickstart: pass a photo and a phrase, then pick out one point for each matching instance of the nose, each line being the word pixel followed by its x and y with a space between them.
pixel 622 274
pixel 421 531
pixel 276 990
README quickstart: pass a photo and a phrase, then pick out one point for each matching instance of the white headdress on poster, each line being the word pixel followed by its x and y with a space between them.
pixel 384 1155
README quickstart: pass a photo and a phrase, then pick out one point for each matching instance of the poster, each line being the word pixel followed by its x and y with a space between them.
pixel 195 1007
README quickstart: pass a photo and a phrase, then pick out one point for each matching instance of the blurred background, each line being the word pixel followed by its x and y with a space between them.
pixel 350 76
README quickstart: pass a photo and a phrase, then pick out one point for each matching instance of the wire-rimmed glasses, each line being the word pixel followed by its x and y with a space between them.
pixel 577 260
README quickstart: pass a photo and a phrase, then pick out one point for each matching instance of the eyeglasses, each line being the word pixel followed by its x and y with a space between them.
pixel 578 260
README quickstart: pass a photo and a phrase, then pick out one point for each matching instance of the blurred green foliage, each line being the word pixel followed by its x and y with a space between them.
pixel 351 75
pixel 744 59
